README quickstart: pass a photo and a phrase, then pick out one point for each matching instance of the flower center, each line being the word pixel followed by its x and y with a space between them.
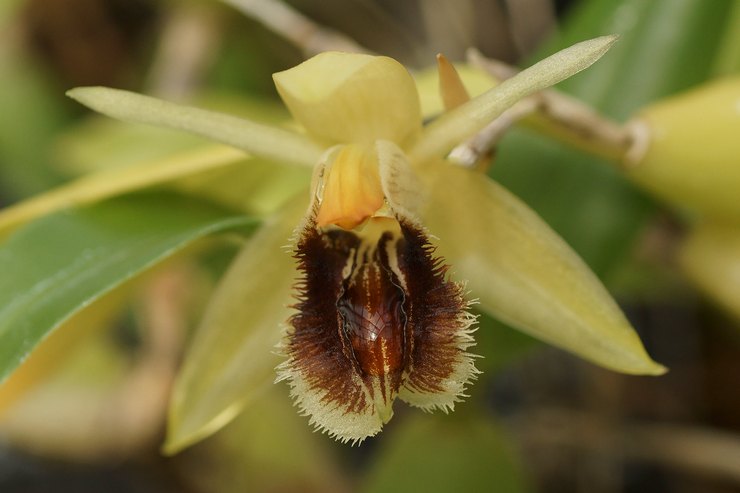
pixel 371 310
pixel 351 191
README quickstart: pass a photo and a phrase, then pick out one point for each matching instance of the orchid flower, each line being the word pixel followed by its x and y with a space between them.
pixel 382 307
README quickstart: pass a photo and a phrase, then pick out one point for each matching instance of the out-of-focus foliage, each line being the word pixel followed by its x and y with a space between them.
pixel 267 448
pixel 94 251
pixel 665 46
pixel 31 117
pixel 439 454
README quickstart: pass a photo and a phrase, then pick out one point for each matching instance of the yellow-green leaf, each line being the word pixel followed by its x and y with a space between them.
pixel 58 265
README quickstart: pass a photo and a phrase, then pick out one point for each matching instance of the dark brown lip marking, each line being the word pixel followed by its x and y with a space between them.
pixel 376 318
pixel 371 310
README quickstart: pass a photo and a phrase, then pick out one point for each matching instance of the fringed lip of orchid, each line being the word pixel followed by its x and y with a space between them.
pixel 379 315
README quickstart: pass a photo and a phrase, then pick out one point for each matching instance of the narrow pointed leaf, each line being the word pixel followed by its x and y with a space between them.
pixel 232 357
pixel 53 353
pixel 58 265
pixel 452 128
pixel 261 140
pixel 525 274
pixel 109 183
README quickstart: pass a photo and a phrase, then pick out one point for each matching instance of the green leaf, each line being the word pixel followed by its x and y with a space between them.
pixel 442 454
pixel 56 266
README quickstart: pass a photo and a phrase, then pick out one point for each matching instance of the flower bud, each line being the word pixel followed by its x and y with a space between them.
pixel 687 148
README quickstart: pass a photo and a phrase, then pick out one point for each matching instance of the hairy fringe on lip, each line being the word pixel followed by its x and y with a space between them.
pixel 329 377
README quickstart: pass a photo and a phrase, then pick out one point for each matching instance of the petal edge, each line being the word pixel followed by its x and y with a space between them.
pixel 525 274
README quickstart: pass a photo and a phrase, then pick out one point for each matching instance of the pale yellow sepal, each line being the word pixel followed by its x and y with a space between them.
pixel 524 274
pixel 256 138
pixel 232 356
pixel 710 256
pixel 351 98
pixel 440 136
pixel 690 153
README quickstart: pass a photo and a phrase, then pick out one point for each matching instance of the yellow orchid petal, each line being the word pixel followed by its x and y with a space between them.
pixel 256 138
pixel 711 258
pixel 525 274
pixel 693 151
pixel 232 357
pixel 440 136
pixel 352 98
pixel 350 187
